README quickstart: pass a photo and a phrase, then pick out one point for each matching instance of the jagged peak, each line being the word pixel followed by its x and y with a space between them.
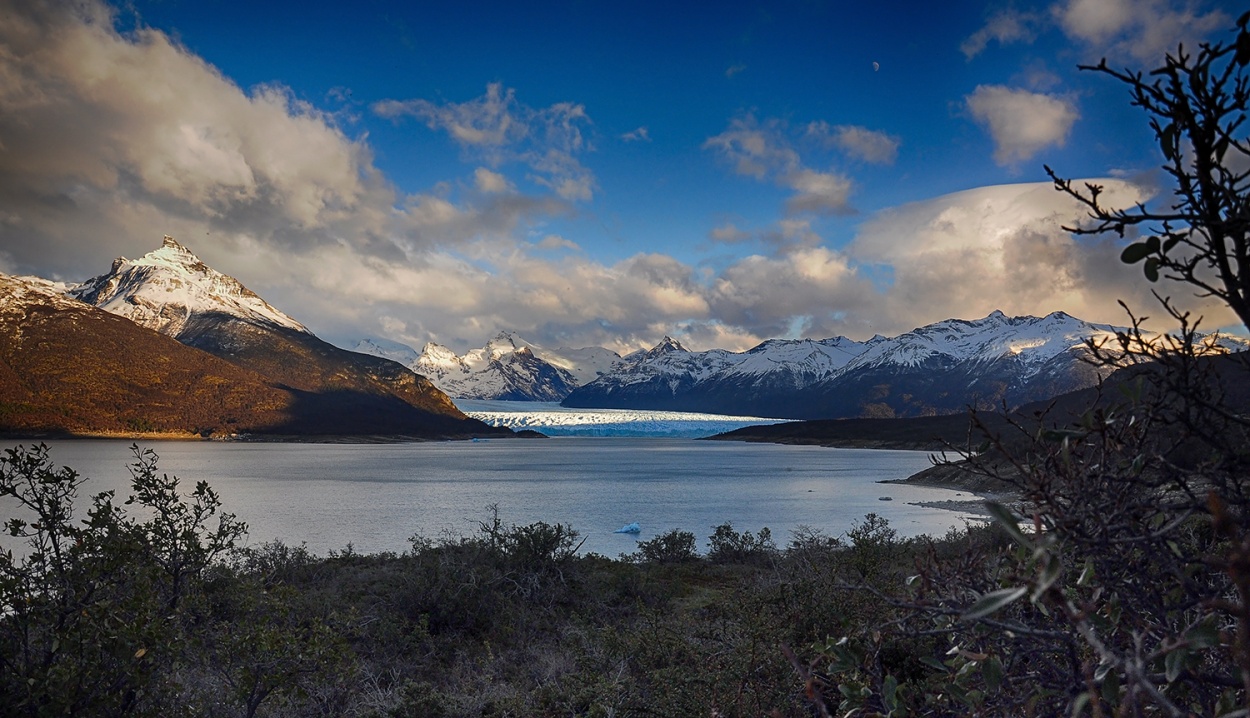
pixel 666 345
pixel 164 287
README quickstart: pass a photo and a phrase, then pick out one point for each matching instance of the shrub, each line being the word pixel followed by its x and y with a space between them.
pixel 675 546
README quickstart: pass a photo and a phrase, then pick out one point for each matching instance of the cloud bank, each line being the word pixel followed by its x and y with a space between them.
pixel 112 140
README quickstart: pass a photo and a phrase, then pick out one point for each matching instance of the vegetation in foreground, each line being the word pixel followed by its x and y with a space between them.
pixel 148 607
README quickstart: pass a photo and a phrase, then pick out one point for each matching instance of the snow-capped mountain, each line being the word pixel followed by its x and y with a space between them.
pixel 507 368
pixel 166 288
pixel 670 377
pixel 172 292
pixel 939 368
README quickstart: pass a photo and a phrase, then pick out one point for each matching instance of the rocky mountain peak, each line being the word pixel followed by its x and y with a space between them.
pixel 166 287
pixel 666 345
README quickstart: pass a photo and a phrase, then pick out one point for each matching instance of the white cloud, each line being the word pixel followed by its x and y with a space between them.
pixel 1022 123
pixel 112 140
pixel 764 151
pixel 498 129
pixel 1095 20
pixel 555 241
pixel 639 135
pixel 818 192
pixel 729 233
pixel 1004 27
pixel 1140 29
pixel 490 182
pixel 734 70
pixel 969 253
pixel 755 150
pixel 857 142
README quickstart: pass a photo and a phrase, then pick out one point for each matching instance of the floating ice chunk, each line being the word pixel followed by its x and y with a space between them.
pixel 633 528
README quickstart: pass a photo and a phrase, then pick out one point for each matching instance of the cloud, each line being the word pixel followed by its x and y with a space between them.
pixel 110 140
pixel 1004 247
pixel 817 192
pixel 734 70
pixel 555 241
pixel 729 233
pixel 498 129
pixel 1140 29
pixel 1004 27
pixel 638 135
pixel 763 150
pixel 490 182
pixel 755 149
pixel 857 142
pixel 1022 123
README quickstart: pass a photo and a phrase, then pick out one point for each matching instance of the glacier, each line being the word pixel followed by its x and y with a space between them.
pixel 554 420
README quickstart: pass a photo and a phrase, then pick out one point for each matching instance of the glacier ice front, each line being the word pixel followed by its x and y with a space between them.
pixel 554 420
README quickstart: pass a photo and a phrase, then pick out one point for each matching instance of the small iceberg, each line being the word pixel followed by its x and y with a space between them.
pixel 633 528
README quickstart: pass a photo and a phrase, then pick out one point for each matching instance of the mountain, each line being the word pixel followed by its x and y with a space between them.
pixel 508 368
pixel 168 289
pixel 172 292
pixel 936 369
pixel 69 368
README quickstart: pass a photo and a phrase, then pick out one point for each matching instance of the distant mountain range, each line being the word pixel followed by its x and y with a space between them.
pixel 165 343
pixel 508 368
pixel 936 369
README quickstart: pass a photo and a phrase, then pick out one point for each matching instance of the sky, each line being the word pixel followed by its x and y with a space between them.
pixel 590 173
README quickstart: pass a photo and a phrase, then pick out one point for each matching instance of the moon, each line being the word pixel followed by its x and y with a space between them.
pixel 876 66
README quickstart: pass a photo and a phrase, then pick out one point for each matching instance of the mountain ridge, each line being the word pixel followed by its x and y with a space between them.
pixel 322 389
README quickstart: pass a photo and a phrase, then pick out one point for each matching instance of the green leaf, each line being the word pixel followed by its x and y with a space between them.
pixel 1079 703
pixel 992 602
pixel 1135 253
pixel 1151 269
pixel 1087 573
pixel 1174 663
pixel 1050 574
pixel 1111 688
pixel 992 672
pixel 889 689
pixel 1008 520
pixel 932 662
pixel 1203 635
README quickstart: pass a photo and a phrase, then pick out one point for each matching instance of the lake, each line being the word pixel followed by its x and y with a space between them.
pixel 375 496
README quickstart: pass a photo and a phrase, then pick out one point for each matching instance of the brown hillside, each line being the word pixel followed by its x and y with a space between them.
pixel 67 368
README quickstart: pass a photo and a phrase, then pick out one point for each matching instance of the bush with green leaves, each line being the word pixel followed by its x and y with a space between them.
pixel 674 546
pixel 110 613
pixel 726 545
pixel 1119 584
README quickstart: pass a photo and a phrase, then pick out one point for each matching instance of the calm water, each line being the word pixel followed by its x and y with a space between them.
pixel 375 496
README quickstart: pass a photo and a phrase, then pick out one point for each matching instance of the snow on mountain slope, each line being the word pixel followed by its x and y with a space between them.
pixel 506 368
pixel 16 293
pixel 387 349
pixel 1033 340
pixel 807 378
pixel 585 364
pixel 165 288
pixel 797 362
pixel 670 361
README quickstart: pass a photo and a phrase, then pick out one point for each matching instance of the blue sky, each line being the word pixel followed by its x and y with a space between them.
pixel 585 172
